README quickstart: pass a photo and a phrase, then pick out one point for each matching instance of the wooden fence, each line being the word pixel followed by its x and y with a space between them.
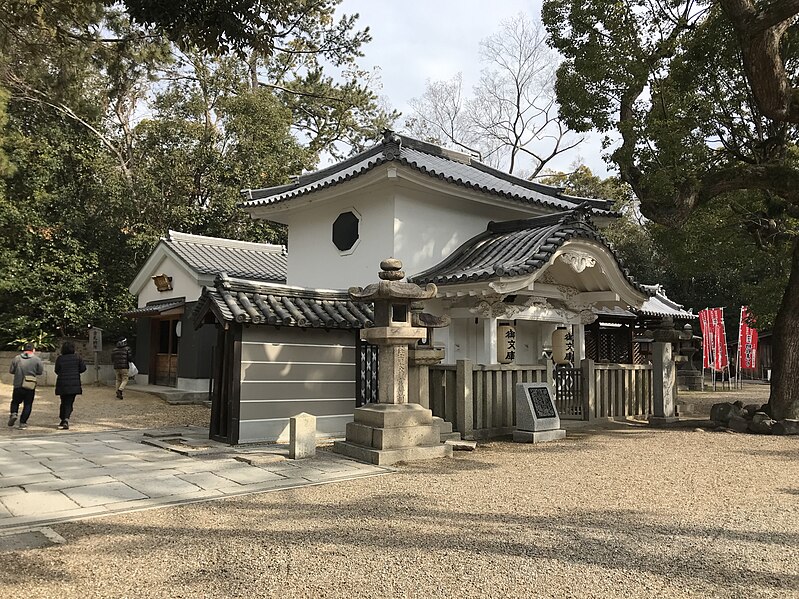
pixel 619 390
pixel 478 399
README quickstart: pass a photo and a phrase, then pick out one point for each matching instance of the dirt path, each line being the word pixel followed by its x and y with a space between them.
pixel 98 409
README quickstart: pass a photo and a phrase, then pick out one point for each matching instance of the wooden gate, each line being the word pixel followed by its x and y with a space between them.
pixel 568 393
pixel 366 377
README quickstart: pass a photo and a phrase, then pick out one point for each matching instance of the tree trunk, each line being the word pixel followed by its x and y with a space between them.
pixel 784 399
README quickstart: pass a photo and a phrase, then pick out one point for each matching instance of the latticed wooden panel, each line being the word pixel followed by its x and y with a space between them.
pixel 366 387
pixel 614 346
pixel 641 353
pixel 591 345
pixel 568 394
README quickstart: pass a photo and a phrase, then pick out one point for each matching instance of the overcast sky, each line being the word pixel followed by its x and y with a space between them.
pixel 417 40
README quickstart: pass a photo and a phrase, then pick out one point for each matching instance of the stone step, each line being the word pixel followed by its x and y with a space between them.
pixel 386 457
pixel 458 445
pixel 450 437
pixel 183 397
pixel 443 425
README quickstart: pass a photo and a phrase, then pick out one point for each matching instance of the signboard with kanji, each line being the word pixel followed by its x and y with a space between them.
pixel 95 339
pixel 506 343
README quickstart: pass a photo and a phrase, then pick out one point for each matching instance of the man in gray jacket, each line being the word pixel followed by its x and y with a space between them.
pixel 27 364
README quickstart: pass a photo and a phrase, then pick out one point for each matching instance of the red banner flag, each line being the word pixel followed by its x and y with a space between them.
pixel 747 342
pixel 714 339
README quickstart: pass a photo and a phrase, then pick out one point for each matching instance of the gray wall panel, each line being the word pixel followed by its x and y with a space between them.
pixel 142 357
pixel 271 371
pixel 296 351
pixel 299 390
pixel 254 410
pixel 315 368
pixel 268 334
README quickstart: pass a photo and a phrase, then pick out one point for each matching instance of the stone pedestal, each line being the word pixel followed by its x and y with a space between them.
pixel 664 385
pixel 538 436
pixel 385 434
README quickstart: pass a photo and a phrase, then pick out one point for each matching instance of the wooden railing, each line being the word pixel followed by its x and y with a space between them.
pixel 478 399
pixel 618 390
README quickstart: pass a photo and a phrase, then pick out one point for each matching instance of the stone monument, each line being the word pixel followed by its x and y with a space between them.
pixel 392 430
pixel 537 417
pixel 664 379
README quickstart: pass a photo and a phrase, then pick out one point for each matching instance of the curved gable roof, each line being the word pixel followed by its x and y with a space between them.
pixel 453 167
pixel 516 248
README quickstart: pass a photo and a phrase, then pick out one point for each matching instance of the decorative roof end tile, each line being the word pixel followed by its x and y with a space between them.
pixel 392 145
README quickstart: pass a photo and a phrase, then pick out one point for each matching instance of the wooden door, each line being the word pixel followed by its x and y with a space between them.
pixel 166 356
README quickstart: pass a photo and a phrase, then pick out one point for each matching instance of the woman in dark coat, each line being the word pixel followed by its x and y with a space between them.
pixel 68 367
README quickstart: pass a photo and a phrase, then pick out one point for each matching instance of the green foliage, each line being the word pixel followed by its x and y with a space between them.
pixel 697 151
pixel 41 341
pixel 224 26
pixel 110 135
pixel 710 261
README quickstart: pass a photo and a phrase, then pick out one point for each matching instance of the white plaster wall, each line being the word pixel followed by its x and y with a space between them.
pixel 399 218
pixel 429 225
pixel 183 284
pixel 464 340
pixel 531 336
pixel 313 260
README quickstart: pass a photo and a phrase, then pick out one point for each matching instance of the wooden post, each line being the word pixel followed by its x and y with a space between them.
pixel 464 398
pixel 587 387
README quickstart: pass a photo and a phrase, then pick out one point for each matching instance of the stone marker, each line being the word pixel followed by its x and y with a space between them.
pixel 302 436
pixel 664 385
pixel 537 418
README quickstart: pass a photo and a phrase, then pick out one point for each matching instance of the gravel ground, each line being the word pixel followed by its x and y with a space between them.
pixel 614 510
pixel 701 401
pixel 98 410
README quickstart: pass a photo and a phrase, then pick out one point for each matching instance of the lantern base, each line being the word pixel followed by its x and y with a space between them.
pixel 385 434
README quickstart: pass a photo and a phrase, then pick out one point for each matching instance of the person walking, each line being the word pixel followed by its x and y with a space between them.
pixel 68 367
pixel 25 367
pixel 121 358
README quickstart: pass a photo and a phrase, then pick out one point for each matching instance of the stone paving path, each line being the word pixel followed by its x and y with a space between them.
pixel 49 479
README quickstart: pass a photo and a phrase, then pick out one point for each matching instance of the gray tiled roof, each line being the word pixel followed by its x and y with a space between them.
pixel 660 305
pixel 280 305
pixel 514 248
pixel 453 167
pixel 155 308
pixel 212 256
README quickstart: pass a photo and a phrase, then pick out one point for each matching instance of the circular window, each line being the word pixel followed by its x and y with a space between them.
pixel 345 231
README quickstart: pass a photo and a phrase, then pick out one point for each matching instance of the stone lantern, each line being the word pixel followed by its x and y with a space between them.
pixel 392 430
